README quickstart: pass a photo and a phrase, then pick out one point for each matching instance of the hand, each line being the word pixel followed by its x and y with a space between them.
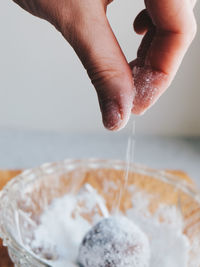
pixel 168 27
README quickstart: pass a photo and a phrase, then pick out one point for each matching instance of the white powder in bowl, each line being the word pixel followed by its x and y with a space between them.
pixel 65 223
pixel 169 246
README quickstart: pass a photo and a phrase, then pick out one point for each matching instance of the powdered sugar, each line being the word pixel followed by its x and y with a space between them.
pixel 144 81
pixel 149 85
pixel 63 226
pixel 68 219
pixel 169 246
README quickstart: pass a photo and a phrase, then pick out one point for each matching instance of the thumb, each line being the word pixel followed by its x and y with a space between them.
pixel 95 44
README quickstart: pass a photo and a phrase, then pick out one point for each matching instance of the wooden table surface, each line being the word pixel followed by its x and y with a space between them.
pixel 5 261
pixel 7 175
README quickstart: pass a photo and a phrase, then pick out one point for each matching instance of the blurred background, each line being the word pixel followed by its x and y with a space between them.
pixel 49 109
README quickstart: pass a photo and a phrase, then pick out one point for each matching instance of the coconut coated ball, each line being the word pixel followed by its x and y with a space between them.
pixel 114 242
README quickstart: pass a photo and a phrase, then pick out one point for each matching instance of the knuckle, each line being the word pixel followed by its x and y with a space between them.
pixel 101 76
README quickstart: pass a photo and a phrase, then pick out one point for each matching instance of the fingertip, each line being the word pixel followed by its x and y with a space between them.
pixel 150 85
pixel 116 102
pixel 111 114
pixel 115 115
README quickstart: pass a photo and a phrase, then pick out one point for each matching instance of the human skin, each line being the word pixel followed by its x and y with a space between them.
pixel 168 27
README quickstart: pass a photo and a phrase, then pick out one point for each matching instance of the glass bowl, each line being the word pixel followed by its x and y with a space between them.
pixel 24 198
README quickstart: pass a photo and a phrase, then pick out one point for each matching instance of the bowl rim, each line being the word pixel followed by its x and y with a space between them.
pixel 94 163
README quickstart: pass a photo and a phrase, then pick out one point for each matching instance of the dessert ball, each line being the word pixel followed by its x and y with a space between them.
pixel 114 242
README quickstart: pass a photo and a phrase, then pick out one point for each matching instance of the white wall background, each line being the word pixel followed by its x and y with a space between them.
pixel 43 85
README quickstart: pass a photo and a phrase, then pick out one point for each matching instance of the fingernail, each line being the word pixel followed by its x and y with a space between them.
pixel 111 114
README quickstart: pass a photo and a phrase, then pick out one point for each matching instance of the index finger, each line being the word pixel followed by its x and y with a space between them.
pixel 175 29
pixel 162 49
